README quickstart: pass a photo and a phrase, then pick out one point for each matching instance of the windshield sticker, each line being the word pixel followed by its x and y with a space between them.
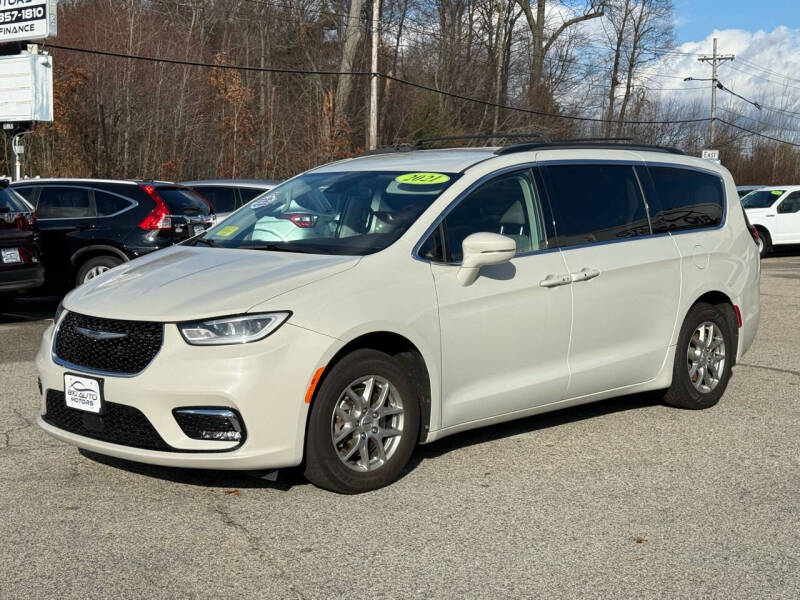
pixel 423 178
pixel 227 231
pixel 777 192
pixel 268 200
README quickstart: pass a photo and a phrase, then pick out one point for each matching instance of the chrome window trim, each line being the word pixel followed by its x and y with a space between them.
pixel 131 202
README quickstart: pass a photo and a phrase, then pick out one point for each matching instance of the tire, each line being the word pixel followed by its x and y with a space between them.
pixel 764 242
pixel 694 385
pixel 96 266
pixel 327 464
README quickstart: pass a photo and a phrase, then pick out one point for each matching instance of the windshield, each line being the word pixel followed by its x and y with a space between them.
pixel 761 198
pixel 351 213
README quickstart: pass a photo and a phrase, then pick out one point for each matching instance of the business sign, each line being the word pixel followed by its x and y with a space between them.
pixel 26 88
pixel 710 154
pixel 27 20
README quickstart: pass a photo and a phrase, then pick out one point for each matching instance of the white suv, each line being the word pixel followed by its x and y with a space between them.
pixel 447 290
pixel 775 213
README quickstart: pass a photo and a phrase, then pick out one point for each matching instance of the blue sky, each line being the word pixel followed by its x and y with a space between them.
pixel 697 18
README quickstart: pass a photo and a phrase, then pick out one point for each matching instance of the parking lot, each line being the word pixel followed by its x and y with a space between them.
pixel 623 498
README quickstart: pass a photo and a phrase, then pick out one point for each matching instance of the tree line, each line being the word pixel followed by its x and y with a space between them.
pixel 572 68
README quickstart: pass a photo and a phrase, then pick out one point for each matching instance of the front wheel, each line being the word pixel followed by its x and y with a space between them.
pixel 706 347
pixel 363 425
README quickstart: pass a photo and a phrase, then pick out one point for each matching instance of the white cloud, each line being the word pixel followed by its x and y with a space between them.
pixel 766 68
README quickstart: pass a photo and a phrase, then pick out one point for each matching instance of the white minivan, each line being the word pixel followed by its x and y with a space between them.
pixel 448 289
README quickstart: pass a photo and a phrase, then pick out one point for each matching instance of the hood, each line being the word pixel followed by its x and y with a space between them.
pixel 185 282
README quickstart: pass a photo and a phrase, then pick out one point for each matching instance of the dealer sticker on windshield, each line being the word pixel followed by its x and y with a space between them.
pixel 423 178
pixel 82 393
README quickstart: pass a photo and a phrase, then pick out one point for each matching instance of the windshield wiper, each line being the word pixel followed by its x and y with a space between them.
pixel 206 241
pixel 276 248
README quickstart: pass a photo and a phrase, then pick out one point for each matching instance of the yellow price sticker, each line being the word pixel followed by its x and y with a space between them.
pixel 777 192
pixel 227 231
pixel 423 178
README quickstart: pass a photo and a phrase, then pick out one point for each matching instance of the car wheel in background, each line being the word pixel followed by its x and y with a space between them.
pixel 764 242
pixel 96 266
pixel 706 347
pixel 363 425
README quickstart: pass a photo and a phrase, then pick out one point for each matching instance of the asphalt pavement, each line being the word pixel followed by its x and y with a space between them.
pixel 620 499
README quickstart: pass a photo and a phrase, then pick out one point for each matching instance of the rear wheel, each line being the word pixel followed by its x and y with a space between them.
pixel 94 267
pixel 363 425
pixel 702 369
pixel 764 242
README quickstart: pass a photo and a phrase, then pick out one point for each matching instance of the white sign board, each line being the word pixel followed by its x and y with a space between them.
pixel 710 154
pixel 27 20
pixel 26 87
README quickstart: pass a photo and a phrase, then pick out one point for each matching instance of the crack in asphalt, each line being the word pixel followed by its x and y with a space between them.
pixel 254 543
pixel 5 435
pixel 775 369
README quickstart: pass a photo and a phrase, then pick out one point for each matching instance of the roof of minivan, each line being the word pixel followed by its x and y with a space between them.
pixel 450 160
pixel 456 160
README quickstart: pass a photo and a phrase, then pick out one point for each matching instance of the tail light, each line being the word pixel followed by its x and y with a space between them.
pixel 754 233
pixel 301 219
pixel 22 220
pixel 159 217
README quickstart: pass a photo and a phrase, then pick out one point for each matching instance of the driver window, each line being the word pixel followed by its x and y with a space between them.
pixel 505 205
pixel 791 204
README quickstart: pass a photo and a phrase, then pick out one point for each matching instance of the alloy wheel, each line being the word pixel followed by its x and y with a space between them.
pixel 94 272
pixel 706 357
pixel 367 423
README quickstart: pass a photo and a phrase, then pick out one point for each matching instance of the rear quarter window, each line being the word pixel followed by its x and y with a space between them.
pixel 12 202
pixel 685 199
pixel 183 201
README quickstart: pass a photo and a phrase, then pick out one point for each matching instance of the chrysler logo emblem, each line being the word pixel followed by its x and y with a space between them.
pixel 99 335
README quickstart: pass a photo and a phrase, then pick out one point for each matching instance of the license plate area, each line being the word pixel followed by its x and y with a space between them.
pixel 10 256
pixel 83 393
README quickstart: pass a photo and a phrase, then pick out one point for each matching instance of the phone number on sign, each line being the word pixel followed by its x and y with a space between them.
pixel 24 14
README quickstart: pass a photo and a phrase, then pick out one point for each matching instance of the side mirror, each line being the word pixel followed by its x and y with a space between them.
pixel 481 250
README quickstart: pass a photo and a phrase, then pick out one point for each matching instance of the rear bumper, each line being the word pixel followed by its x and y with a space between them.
pixel 18 279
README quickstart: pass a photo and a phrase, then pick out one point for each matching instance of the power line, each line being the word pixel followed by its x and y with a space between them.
pixel 750 131
pixel 365 73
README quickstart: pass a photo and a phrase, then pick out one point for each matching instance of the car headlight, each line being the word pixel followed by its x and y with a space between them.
pixel 232 330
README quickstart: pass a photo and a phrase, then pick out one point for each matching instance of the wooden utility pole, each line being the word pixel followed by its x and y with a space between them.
pixel 714 59
pixel 373 92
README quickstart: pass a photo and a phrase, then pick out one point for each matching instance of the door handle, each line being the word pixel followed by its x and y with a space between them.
pixel 585 274
pixel 555 281
pixel 84 226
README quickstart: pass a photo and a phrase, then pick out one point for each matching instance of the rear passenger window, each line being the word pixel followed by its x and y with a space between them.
pixel 595 203
pixel 109 204
pixel 505 205
pixel 223 199
pixel 685 199
pixel 57 202
pixel 250 193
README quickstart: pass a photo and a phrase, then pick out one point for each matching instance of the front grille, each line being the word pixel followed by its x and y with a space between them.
pixel 126 355
pixel 119 423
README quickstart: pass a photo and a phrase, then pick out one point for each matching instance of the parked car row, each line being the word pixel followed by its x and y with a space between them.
pixel 64 232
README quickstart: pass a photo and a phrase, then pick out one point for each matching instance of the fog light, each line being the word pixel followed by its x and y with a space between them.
pixel 219 424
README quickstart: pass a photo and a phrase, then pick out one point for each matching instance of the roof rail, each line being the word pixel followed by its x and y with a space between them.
pixel 387 150
pixel 482 136
pixel 584 143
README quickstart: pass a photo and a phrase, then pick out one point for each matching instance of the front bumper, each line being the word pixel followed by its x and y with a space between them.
pixel 265 382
